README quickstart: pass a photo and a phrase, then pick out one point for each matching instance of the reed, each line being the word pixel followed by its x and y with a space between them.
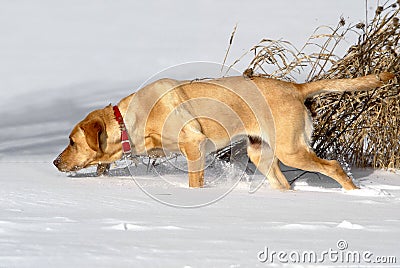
pixel 357 128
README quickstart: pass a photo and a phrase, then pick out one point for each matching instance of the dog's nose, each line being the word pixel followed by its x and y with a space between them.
pixel 57 161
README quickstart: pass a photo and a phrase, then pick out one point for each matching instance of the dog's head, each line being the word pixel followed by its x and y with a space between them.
pixel 96 139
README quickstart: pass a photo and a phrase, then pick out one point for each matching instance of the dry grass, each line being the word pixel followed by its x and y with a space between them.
pixel 363 128
pixel 360 128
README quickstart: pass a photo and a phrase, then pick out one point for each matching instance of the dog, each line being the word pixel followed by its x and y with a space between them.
pixel 197 117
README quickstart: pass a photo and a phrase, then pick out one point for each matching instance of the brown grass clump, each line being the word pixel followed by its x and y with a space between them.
pixel 359 128
pixel 363 127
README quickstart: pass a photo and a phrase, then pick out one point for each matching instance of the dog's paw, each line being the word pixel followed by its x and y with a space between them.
pixel 102 169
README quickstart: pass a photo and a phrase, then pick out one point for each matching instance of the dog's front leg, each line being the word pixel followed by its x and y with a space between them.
pixel 193 148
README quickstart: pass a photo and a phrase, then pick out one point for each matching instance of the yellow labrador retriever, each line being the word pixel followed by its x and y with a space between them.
pixel 197 117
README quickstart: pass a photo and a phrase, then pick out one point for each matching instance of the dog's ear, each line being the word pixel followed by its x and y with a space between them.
pixel 95 134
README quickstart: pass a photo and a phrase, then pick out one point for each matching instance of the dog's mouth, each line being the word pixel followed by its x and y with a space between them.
pixel 72 169
pixel 76 168
pixel 63 167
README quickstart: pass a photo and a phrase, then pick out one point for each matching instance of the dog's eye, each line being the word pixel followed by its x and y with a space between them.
pixel 71 142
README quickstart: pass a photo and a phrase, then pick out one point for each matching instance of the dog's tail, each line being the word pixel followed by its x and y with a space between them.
pixel 339 85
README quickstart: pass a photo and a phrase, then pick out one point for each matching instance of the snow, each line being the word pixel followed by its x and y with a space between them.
pixel 348 225
pixel 61 60
pixel 48 219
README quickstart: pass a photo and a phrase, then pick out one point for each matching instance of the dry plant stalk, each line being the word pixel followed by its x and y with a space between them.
pixel 363 128
pixel 359 128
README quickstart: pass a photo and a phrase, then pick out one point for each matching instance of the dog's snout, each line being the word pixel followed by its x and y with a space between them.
pixel 57 161
pixel 60 165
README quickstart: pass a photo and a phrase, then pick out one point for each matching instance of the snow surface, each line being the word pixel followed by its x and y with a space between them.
pixel 49 219
pixel 62 59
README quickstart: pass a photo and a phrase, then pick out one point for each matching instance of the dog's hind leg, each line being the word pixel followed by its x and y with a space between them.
pixel 276 171
pixel 293 149
pixel 304 158
pixel 263 158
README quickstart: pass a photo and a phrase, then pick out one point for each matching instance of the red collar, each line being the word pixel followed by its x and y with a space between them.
pixel 126 145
